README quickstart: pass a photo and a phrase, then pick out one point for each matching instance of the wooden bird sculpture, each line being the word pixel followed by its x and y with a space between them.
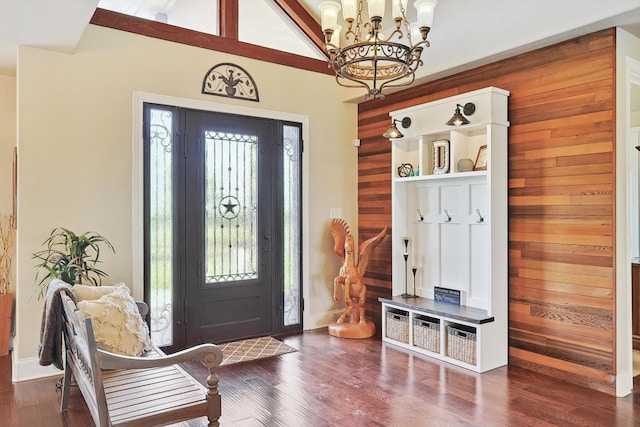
pixel 349 280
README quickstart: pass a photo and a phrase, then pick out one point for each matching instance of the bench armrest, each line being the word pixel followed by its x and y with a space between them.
pixel 143 308
pixel 208 354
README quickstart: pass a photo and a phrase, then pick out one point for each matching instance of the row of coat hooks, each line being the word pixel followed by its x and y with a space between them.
pixel 480 219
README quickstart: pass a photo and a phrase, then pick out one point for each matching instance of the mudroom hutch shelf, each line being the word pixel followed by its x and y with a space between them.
pixel 452 224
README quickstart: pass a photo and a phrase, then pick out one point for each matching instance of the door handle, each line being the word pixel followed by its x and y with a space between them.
pixel 267 248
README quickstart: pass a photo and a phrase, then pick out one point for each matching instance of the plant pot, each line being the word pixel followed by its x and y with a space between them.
pixel 6 309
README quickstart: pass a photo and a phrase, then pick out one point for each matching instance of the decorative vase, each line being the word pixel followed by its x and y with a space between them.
pixel 465 165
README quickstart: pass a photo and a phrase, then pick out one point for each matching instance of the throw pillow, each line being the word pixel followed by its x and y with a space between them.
pixel 84 292
pixel 117 324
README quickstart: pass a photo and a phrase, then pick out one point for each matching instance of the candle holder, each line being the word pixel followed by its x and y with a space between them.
pixel 406 257
pixel 414 269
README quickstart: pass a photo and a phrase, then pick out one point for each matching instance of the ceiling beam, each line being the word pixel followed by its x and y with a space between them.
pixel 159 30
pixel 303 20
pixel 228 18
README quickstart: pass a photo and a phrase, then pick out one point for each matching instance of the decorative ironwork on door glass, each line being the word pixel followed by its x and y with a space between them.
pixel 292 232
pixel 231 200
pixel 161 225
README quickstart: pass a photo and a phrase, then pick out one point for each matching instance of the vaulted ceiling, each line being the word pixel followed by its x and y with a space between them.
pixel 465 33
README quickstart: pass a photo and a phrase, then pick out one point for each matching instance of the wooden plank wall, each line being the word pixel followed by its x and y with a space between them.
pixel 561 201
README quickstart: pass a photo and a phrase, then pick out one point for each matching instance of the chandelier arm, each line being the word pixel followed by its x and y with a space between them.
pixel 346 35
pixel 339 75
pixel 413 66
pixel 359 83
pixel 396 31
pixel 387 84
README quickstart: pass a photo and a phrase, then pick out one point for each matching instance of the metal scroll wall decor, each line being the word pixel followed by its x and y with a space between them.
pixel 231 81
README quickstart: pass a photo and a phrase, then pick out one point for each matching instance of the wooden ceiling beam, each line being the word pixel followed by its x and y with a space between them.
pixel 159 30
pixel 228 18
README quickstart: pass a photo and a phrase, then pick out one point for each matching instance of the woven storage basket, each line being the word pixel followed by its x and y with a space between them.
pixel 398 326
pixel 426 334
pixel 461 343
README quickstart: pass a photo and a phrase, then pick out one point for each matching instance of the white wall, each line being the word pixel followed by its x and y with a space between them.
pixel 75 145
pixel 627 46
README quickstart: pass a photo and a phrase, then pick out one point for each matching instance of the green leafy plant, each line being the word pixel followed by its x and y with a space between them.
pixel 70 257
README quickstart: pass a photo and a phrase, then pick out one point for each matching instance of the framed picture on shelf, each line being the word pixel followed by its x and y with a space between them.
pixel 481 159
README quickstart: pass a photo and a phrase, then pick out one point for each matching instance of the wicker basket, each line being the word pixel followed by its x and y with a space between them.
pixel 426 334
pixel 461 343
pixel 398 326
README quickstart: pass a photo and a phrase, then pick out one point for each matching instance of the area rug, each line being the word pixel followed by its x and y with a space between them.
pixel 253 349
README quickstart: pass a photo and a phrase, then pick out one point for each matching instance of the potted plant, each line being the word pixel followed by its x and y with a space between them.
pixel 70 257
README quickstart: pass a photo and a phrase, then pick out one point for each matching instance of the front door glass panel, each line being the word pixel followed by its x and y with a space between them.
pixel 161 223
pixel 231 201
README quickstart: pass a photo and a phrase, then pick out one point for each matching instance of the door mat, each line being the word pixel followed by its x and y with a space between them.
pixel 253 349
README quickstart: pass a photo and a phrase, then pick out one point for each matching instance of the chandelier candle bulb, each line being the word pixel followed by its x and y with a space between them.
pixel 397 8
pixel 329 11
pixel 349 10
pixel 376 9
pixel 335 38
pixel 425 10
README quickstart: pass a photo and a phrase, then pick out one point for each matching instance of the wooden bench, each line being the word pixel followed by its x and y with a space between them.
pixel 137 391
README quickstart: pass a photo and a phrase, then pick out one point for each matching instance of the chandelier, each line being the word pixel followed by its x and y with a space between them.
pixel 372 60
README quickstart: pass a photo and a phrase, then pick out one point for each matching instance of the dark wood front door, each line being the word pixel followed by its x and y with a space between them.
pixel 229 224
pixel 222 226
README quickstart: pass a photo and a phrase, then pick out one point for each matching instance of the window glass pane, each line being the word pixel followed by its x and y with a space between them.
pixel 161 225
pixel 292 208
pixel 231 201
pixel 197 15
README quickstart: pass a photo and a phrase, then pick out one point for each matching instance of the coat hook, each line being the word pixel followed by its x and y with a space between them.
pixel 420 215
pixel 480 217
pixel 446 212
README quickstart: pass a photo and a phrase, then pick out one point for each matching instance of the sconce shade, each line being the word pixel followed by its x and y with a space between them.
pixel 458 119
pixel 393 131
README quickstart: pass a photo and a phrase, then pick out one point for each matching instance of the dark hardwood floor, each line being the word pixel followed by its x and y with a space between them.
pixel 339 382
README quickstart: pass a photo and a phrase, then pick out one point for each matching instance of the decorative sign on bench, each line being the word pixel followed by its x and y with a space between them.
pixel 445 295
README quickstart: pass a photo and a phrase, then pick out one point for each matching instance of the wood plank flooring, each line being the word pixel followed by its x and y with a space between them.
pixel 339 382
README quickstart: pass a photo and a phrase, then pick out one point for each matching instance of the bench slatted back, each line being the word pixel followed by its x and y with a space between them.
pixel 82 351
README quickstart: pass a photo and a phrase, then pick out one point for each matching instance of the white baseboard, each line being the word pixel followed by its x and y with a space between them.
pixel 320 320
pixel 30 369
pixel 624 383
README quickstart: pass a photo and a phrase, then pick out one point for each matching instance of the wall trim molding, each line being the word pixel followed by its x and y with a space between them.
pixel 30 369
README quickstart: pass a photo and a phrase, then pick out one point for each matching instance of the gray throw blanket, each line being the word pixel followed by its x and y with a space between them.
pixel 50 349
